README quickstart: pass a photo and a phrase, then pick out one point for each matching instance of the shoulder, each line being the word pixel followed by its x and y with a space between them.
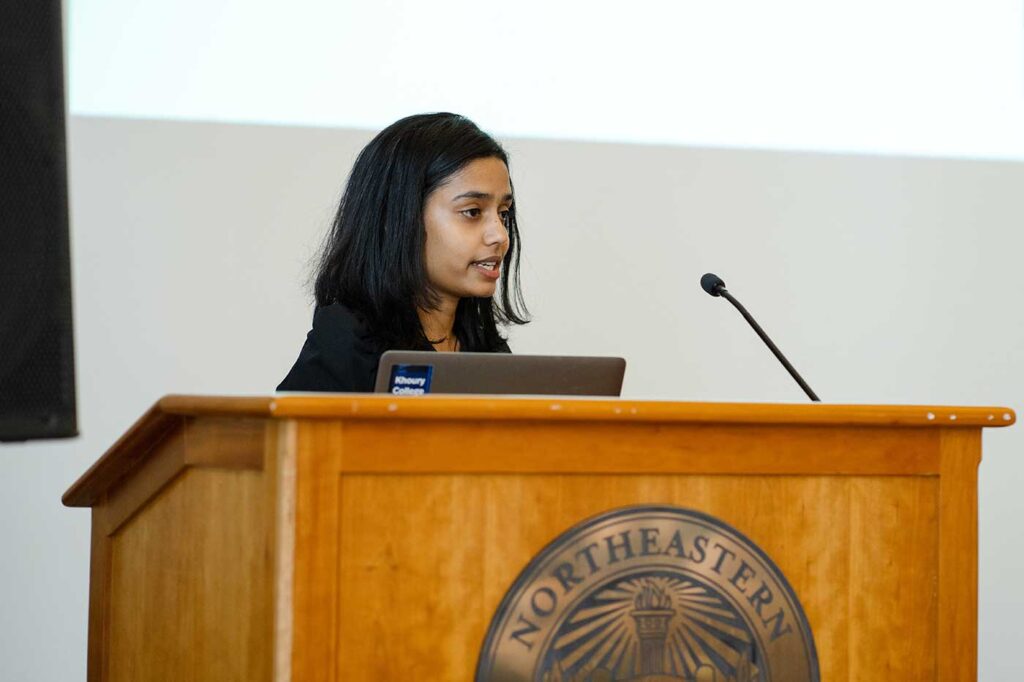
pixel 339 354
pixel 336 323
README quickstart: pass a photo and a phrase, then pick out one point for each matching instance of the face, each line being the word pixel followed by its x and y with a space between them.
pixel 465 222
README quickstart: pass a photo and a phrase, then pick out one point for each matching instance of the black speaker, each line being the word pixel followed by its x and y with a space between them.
pixel 37 370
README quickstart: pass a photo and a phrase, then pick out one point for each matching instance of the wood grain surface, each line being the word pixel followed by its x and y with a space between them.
pixel 440 517
pixel 415 609
pixel 498 408
pixel 359 542
pixel 958 555
pixel 192 583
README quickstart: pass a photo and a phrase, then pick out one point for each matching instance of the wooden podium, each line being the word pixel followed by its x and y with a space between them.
pixel 372 538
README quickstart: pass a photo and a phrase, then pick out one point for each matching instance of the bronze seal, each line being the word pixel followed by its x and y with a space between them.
pixel 652 593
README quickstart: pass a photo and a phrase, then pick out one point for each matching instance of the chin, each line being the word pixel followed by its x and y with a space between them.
pixel 481 292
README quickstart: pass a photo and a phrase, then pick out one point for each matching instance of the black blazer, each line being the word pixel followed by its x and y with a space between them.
pixel 339 355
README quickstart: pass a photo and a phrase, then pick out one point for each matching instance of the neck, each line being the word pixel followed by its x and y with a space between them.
pixel 439 324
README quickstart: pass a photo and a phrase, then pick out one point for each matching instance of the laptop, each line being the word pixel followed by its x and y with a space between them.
pixel 422 372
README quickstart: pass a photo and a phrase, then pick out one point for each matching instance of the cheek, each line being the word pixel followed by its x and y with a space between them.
pixel 446 253
pixel 450 246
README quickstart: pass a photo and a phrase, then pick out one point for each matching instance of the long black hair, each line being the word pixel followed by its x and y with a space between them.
pixel 373 257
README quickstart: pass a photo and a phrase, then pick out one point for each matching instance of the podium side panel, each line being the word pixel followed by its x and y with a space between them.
pixel 191 596
pixel 183 560
pixel 99 600
pixel 164 463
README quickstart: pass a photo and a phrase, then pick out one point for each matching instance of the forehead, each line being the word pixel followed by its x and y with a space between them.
pixel 488 175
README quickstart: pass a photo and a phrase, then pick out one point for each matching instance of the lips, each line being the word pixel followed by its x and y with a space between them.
pixel 488 267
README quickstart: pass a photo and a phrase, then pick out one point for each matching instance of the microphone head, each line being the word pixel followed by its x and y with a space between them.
pixel 712 284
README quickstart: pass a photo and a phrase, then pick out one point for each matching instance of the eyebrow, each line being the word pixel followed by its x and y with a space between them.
pixel 480 195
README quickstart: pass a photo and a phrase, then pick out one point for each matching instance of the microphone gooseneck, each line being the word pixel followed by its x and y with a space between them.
pixel 714 286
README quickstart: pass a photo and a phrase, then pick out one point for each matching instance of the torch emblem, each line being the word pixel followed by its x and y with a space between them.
pixel 655 627
pixel 652 612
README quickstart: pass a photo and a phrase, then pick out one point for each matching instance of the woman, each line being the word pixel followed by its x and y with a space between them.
pixel 424 236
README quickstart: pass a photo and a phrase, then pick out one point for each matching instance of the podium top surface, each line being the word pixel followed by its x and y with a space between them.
pixel 518 408
pixel 171 410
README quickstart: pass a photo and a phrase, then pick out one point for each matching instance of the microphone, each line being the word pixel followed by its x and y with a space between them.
pixel 714 285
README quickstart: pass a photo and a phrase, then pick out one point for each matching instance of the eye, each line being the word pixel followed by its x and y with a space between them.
pixel 506 216
pixel 471 212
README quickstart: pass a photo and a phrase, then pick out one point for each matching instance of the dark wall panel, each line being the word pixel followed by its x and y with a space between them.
pixel 37 382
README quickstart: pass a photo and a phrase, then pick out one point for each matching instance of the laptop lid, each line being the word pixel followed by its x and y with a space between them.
pixel 421 372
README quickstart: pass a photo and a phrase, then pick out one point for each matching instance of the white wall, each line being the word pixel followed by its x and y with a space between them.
pixel 884 280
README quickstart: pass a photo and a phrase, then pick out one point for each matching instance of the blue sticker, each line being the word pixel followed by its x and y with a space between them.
pixel 410 379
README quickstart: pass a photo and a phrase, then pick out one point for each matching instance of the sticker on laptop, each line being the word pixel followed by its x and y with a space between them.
pixel 410 379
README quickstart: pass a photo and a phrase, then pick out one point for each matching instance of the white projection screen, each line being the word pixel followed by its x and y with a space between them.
pixel 851 169
pixel 918 77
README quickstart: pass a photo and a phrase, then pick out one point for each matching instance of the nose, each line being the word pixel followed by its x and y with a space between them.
pixel 496 233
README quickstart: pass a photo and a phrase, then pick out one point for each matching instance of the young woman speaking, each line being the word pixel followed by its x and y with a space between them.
pixel 423 254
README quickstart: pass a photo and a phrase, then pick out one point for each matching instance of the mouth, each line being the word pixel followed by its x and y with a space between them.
pixel 488 267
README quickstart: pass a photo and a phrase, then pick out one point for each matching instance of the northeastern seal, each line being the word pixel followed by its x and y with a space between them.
pixel 650 593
